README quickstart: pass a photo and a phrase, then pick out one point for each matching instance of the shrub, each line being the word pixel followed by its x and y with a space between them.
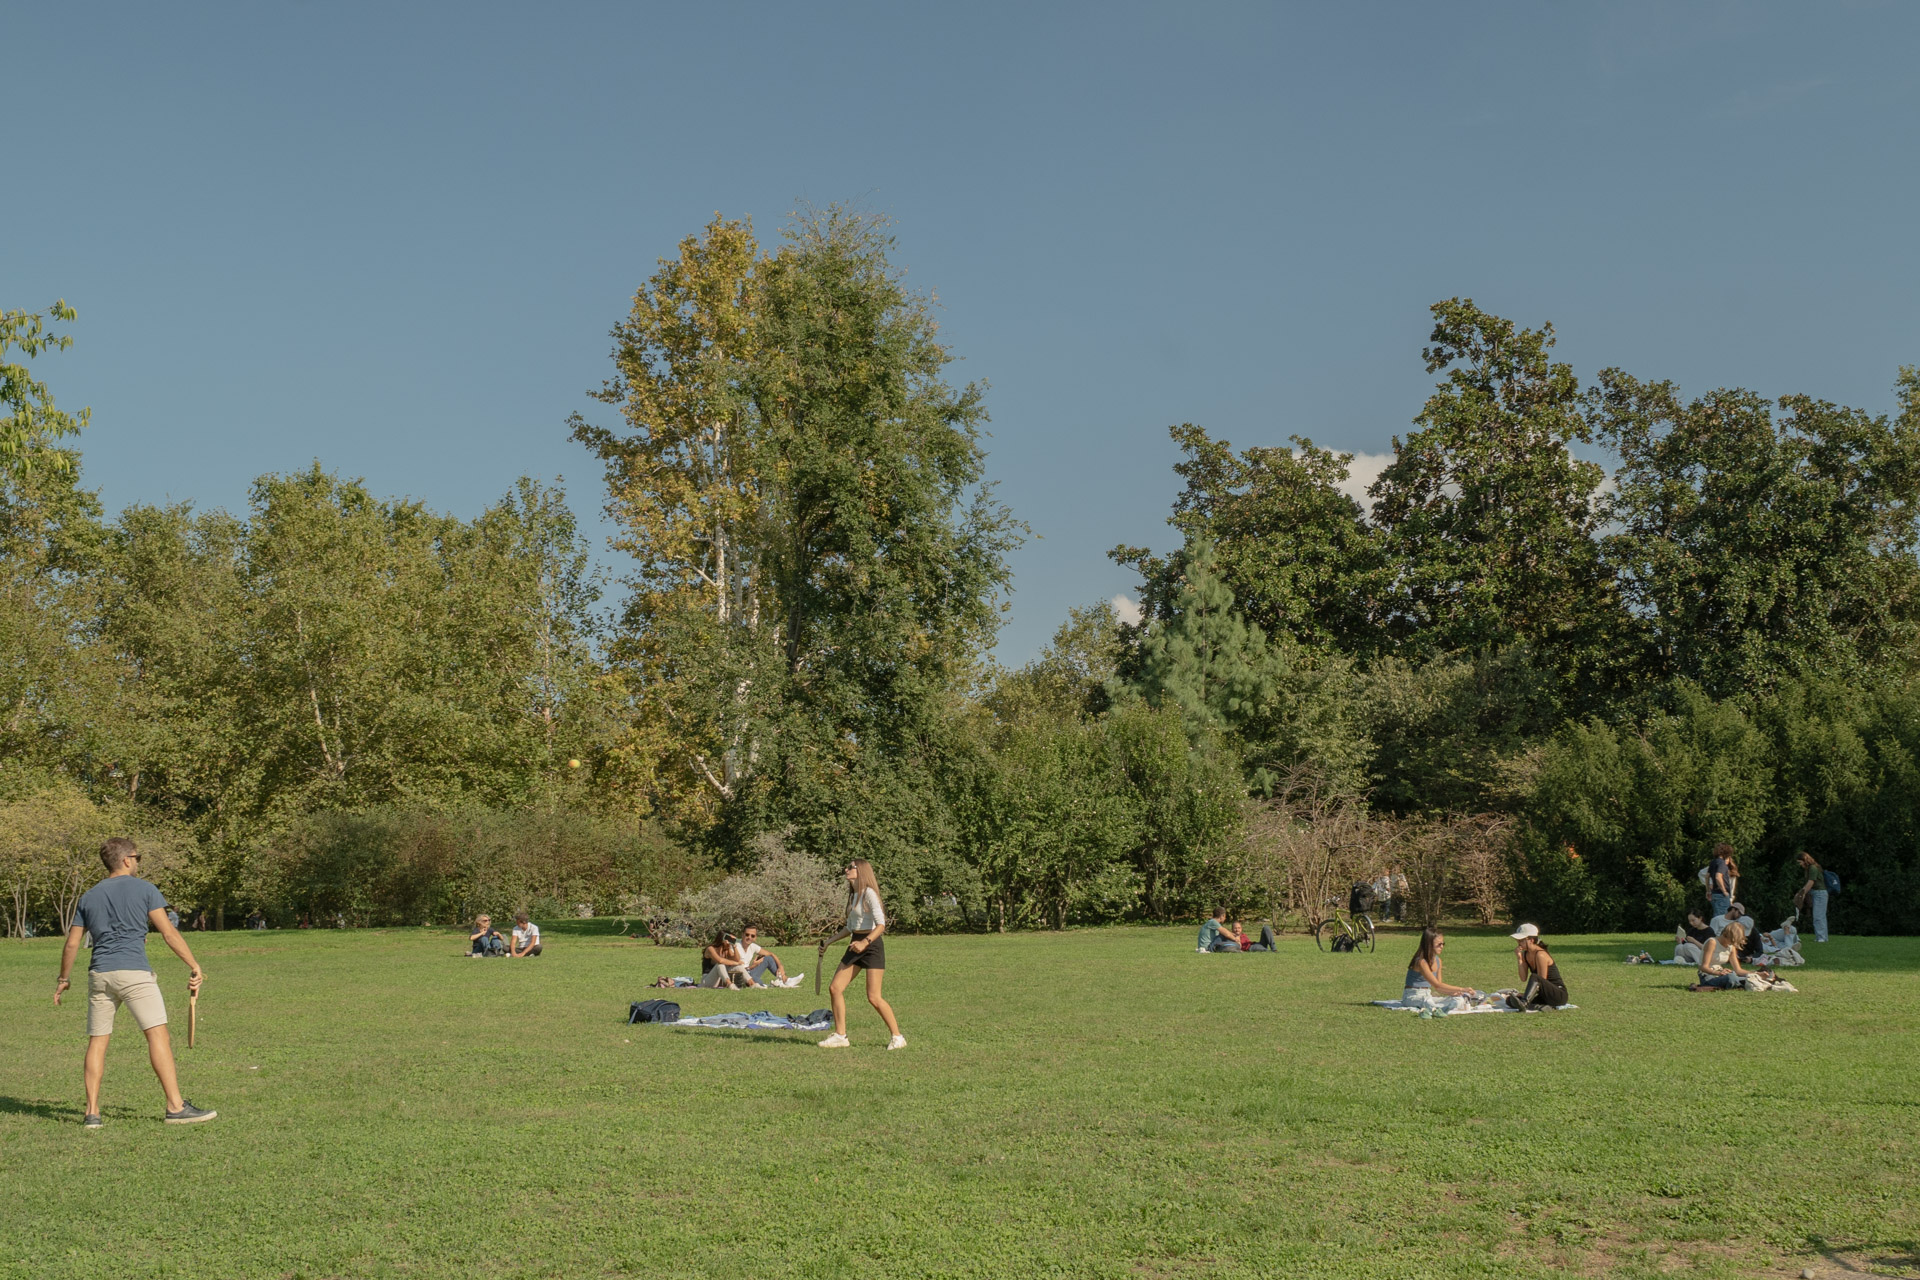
pixel 790 895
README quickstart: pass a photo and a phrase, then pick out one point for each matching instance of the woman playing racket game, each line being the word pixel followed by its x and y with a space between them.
pixel 866 922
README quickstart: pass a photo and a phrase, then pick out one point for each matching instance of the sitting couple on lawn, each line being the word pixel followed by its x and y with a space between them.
pixel 1217 935
pixel 487 941
pixel 738 963
pixel 1538 971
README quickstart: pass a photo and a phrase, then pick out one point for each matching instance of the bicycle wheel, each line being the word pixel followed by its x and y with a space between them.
pixel 1366 935
pixel 1327 930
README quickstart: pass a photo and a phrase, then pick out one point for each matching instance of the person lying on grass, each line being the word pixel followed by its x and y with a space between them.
pixel 1544 988
pixel 1246 944
pixel 1720 963
pixel 526 937
pixel 1425 987
pixel 485 938
pixel 1690 938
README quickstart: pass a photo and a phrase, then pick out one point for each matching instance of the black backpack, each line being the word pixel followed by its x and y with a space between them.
pixel 653 1011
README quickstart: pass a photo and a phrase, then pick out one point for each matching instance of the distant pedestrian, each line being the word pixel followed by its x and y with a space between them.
pixel 1813 894
pixel 866 925
pixel 118 912
pixel 1720 881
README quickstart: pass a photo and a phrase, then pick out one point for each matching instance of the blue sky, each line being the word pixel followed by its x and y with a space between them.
pixel 393 238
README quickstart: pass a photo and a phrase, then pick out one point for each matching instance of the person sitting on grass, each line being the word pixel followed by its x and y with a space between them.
pixel 485 938
pixel 721 965
pixel 1784 941
pixel 1720 963
pixel 526 937
pixel 1425 987
pixel 760 962
pixel 1544 988
pixel 1690 937
pixel 1214 935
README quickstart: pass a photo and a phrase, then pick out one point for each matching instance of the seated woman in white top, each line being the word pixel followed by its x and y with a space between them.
pixel 1425 987
pixel 1720 963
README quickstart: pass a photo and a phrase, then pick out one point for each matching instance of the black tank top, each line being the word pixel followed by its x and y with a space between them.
pixel 1553 973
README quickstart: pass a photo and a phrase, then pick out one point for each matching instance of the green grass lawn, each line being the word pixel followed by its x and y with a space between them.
pixel 1099 1103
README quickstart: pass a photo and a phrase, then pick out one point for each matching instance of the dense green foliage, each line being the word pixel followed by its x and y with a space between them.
pixel 1720 645
pixel 309 700
pixel 387 1109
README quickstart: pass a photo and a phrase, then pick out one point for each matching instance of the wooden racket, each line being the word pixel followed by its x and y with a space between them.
pixel 193 1017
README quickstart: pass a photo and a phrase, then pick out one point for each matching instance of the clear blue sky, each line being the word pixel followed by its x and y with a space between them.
pixel 394 237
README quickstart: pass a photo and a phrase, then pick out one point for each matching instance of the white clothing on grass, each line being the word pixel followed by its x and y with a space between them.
pixel 1687 952
pixel 526 935
pixel 1423 998
pixel 865 912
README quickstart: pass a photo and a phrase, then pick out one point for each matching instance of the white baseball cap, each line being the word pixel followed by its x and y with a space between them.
pixel 1526 931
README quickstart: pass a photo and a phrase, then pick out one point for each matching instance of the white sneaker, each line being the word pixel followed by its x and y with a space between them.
pixel 898 1042
pixel 834 1041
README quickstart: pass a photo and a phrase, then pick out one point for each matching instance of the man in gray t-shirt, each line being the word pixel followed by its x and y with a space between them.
pixel 118 912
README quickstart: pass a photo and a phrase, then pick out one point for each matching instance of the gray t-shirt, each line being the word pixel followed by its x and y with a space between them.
pixel 115 913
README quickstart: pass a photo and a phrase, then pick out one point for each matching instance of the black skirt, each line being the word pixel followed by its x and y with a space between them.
pixel 874 957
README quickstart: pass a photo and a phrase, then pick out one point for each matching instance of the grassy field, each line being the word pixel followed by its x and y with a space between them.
pixel 1100 1103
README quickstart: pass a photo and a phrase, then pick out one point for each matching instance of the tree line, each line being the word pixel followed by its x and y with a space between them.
pixel 1536 683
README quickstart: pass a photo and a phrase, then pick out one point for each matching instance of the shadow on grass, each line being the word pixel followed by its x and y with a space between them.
pixel 797 1039
pixel 62 1111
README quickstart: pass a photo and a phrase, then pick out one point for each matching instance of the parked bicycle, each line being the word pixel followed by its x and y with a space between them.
pixel 1351 929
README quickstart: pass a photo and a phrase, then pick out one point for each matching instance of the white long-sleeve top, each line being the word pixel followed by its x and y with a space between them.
pixel 865 912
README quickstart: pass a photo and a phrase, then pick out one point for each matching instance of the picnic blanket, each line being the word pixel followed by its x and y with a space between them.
pixel 1496 1002
pixel 1757 981
pixel 818 1020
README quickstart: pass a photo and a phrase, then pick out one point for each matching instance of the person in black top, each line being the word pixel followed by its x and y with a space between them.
pixel 1690 939
pixel 1544 989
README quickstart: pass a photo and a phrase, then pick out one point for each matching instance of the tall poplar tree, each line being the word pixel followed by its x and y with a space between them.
pixel 816 560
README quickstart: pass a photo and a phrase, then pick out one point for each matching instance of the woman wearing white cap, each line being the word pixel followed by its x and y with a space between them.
pixel 1544 989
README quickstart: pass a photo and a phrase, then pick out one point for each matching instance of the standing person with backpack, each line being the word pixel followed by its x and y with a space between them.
pixel 1813 894
pixel 866 923
pixel 118 912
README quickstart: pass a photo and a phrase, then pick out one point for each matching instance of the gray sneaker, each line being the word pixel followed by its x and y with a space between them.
pixel 189 1114
pixel 92 1121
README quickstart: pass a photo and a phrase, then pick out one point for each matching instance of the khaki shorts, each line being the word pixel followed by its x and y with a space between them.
pixel 135 988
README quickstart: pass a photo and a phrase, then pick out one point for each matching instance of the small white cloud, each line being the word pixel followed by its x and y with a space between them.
pixel 1361 472
pixel 1126 609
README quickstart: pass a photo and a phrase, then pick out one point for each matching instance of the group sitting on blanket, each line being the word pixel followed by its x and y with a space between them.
pixel 1542 986
pixel 1217 935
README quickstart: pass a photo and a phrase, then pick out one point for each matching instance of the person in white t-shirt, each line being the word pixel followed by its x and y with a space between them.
pixel 526 937
pixel 866 922
pixel 760 962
